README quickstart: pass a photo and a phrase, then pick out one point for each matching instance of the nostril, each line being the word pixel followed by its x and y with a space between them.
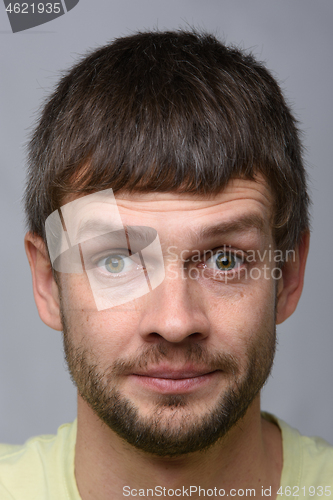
pixel 155 336
pixel 196 336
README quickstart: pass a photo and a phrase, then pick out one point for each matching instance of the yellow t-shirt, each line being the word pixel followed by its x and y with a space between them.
pixel 307 472
pixel 43 468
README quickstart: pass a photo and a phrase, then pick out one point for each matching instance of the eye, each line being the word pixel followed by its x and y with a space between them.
pixel 114 263
pixel 224 261
pixel 118 264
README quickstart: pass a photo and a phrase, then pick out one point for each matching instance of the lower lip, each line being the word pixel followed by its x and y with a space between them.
pixel 173 386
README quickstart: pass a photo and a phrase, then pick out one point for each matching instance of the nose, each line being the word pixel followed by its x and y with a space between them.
pixel 175 311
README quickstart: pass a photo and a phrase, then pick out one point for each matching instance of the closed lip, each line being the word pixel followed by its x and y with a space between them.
pixel 173 373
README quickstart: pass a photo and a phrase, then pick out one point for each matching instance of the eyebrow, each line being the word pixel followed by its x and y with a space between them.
pixel 92 227
pixel 144 234
pixel 241 224
pixel 98 229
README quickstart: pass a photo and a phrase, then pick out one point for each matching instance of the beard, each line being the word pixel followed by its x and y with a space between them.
pixel 172 428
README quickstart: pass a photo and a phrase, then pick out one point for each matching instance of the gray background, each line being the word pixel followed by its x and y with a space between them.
pixel 294 37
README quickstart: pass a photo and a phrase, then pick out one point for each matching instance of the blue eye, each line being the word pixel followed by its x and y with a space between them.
pixel 114 264
pixel 224 261
pixel 118 264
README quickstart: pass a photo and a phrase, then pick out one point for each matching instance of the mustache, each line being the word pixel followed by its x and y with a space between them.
pixel 195 354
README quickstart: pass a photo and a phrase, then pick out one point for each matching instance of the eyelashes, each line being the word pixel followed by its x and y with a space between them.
pixel 225 261
pixel 117 266
pixel 118 263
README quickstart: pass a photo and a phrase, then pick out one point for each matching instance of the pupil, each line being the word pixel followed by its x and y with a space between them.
pixel 224 261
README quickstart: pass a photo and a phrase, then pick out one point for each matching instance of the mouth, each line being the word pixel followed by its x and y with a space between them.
pixel 167 380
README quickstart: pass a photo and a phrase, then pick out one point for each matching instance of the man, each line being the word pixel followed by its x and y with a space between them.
pixel 168 234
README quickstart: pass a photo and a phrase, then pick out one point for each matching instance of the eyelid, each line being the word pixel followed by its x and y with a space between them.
pixel 237 254
pixel 104 254
pixel 126 257
pixel 227 250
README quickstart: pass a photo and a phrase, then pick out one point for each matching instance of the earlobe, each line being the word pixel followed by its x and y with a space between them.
pixel 291 283
pixel 44 286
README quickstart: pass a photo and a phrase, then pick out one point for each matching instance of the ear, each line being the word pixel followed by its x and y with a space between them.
pixel 291 283
pixel 44 286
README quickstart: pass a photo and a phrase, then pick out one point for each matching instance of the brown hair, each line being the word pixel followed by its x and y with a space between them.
pixel 167 111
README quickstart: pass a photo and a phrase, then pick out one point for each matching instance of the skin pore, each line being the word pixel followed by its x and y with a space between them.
pixel 191 354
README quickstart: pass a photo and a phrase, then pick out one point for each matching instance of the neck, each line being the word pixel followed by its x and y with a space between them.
pixel 248 457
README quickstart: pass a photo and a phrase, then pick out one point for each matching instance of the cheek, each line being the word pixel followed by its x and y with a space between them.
pixel 108 333
pixel 76 293
pixel 241 314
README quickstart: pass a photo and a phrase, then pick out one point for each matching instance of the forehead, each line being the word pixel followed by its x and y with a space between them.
pixel 240 197
pixel 242 205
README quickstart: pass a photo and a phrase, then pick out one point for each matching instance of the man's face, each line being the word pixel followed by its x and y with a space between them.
pixel 172 371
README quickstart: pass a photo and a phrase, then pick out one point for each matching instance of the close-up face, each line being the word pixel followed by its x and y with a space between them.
pixel 178 366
